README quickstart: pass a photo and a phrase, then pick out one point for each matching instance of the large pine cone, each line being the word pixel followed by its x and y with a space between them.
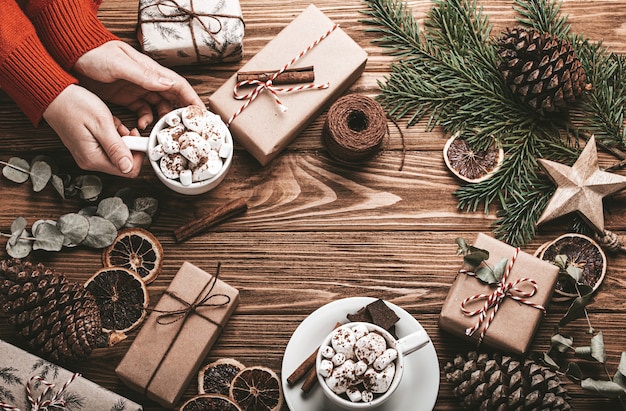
pixel 59 319
pixel 498 382
pixel 541 69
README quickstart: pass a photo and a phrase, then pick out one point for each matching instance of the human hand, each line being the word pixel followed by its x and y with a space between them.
pixel 119 74
pixel 91 133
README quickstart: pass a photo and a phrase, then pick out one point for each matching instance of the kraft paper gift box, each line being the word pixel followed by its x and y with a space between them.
pixel 184 32
pixel 20 369
pixel 174 340
pixel 515 323
pixel 262 128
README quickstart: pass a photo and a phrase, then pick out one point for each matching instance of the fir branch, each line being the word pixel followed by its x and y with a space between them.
pixel 398 29
pixel 543 16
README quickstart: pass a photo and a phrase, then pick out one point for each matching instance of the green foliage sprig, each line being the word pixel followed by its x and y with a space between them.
pixel 446 73
pixel 93 226
pixel 615 385
pixel 43 170
pixel 475 263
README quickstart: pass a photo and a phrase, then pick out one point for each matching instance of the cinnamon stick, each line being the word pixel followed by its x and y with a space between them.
pixel 310 380
pixel 307 366
pixel 220 214
pixel 289 76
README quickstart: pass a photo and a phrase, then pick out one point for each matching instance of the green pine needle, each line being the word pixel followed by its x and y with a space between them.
pixel 447 74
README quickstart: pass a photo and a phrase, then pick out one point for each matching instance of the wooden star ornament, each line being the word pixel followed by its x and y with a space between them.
pixel 581 188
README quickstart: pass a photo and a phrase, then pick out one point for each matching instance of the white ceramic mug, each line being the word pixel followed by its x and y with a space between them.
pixel 404 346
pixel 144 144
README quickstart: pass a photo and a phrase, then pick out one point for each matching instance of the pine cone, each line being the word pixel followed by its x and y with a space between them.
pixel 541 69
pixel 498 382
pixel 59 319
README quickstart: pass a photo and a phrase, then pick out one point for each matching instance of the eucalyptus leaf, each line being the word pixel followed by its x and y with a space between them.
pixel 561 343
pixel 17 170
pixel 549 362
pixel 21 247
pixel 575 272
pixel 576 309
pixel 88 211
pixel 620 375
pixel 57 184
pixel 487 275
pixel 127 195
pixel 37 224
pixel 89 186
pixel 74 227
pixel 40 174
pixel 463 247
pixel 475 258
pixel 47 159
pixel 607 389
pixel 561 261
pixel 584 353
pixel 597 348
pixel 101 233
pixel 148 205
pixel 622 364
pixel 48 238
pixel 18 224
pixel 574 372
pixel 138 219
pixel 114 210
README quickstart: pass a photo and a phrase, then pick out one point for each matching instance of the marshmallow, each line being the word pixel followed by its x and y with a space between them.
pixel 367 396
pixel 226 149
pixel 354 394
pixel 360 331
pixel 190 146
pixel 359 368
pixel 336 385
pixel 193 118
pixel 343 341
pixel 156 153
pixel 207 168
pixel 185 177
pixel 327 352
pixel 338 359
pixel 172 119
pixel 379 382
pixel 326 368
pixel 172 164
pixel 170 132
pixel 387 357
pixel 170 146
pixel 370 347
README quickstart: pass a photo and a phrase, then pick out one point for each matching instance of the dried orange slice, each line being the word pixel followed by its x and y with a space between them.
pixel 472 166
pixel 257 388
pixel 136 249
pixel 215 378
pixel 121 296
pixel 210 402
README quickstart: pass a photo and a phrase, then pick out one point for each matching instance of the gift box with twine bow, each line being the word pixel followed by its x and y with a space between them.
pixel 503 315
pixel 185 32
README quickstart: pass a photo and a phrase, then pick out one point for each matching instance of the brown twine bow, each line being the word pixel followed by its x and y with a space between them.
pixel 188 15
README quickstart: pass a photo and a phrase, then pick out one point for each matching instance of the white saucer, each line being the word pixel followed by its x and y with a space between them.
pixel 419 386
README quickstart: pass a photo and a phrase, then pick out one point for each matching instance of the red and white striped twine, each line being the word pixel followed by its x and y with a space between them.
pixel 269 84
pixel 41 403
pixel 493 300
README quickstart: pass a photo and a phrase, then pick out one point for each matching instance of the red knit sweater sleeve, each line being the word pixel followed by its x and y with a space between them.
pixel 68 28
pixel 28 74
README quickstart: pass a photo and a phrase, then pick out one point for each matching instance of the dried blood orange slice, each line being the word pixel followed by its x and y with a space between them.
pixel 469 164
pixel 210 402
pixel 215 378
pixel 121 296
pixel 257 388
pixel 136 249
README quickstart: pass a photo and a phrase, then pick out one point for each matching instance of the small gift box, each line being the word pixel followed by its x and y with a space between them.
pixel 178 335
pixel 31 383
pixel 180 32
pixel 505 315
pixel 268 117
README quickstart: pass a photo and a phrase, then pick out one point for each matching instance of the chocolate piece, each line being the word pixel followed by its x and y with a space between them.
pixel 360 316
pixel 382 315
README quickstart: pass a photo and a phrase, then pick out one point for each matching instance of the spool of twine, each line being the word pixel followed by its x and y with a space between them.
pixel 355 129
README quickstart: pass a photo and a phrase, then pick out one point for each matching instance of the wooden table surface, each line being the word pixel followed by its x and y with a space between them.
pixel 317 231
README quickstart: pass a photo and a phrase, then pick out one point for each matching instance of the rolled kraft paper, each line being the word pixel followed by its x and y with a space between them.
pixel 355 128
